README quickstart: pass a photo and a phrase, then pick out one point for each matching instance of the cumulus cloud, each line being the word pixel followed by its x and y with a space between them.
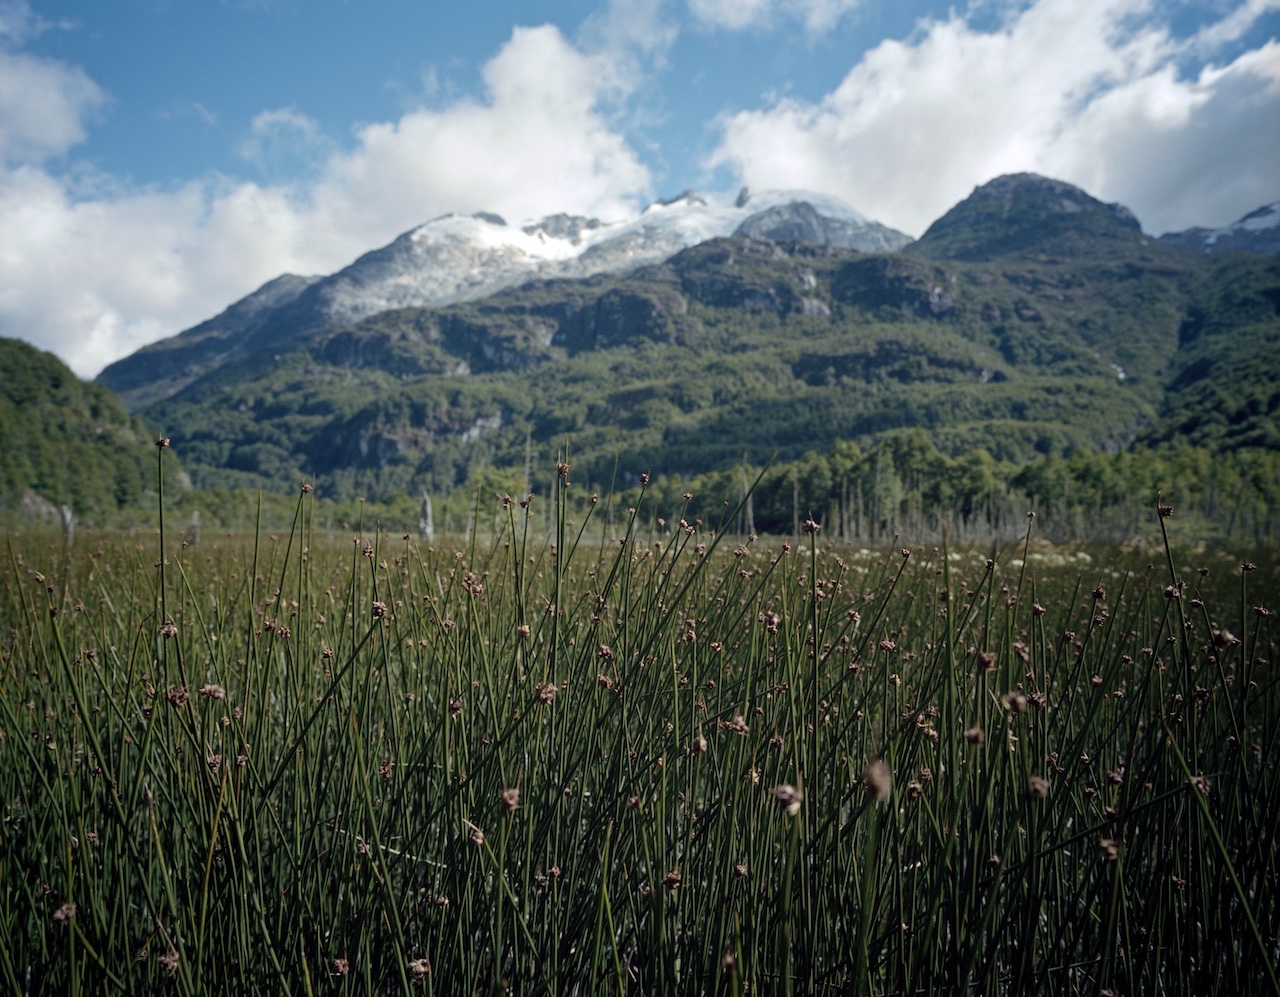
pixel 44 106
pixel 1088 91
pixel 92 271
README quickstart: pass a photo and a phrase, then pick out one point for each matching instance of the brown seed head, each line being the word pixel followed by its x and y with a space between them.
pixel 877 781
pixel 64 913
pixel 672 880
pixel 789 797
pixel 544 693
pixel 510 799
pixel 975 736
pixel 420 969
pixel 1039 787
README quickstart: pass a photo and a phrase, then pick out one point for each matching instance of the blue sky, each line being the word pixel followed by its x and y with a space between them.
pixel 162 158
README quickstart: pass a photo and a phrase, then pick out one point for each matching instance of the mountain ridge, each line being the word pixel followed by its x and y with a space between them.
pixel 457 258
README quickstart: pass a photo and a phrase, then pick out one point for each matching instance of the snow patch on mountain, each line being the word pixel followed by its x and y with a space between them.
pixel 681 221
pixel 1256 232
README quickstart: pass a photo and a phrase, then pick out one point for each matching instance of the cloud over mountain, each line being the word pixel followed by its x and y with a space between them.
pixel 1090 91
pixel 93 269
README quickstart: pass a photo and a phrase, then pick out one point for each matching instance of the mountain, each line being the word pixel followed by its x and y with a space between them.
pixel 1256 232
pixel 1031 319
pixel 63 442
pixel 462 258
pixel 1025 214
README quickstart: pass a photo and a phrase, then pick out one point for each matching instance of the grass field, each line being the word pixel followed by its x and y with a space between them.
pixel 648 759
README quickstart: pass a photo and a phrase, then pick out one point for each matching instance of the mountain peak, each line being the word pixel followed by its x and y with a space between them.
pixel 1256 232
pixel 1025 212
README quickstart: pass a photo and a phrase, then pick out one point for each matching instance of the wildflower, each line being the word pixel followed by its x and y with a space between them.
pixel 877 781
pixel 789 797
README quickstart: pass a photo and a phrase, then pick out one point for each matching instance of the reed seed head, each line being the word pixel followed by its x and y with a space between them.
pixel 789 797
pixel 877 781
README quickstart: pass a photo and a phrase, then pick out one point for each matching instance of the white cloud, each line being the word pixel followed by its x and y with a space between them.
pixel 1069 88
pixel 737 15
pixel 43 106
pixel 92 272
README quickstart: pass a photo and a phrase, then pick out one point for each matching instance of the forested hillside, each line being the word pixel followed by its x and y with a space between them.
pixel 64 442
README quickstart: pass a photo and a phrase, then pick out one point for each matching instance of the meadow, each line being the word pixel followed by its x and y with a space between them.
pixel 652 757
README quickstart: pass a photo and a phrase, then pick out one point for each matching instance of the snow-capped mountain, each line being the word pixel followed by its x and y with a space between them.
pixel 1256 232
pixel 464 257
